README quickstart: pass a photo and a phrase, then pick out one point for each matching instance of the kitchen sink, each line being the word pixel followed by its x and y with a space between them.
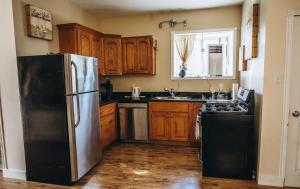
pixel 170 98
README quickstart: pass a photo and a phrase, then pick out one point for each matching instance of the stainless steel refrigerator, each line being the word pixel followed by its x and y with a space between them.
pixel 60 109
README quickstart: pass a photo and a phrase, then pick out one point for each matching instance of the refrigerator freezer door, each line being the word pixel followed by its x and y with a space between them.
pixel 81 72
pixel 84 139
pixel 45 126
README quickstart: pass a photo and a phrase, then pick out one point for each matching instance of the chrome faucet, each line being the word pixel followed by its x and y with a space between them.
pixel 171 91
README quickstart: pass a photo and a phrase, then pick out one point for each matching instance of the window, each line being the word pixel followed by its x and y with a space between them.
pixel 209 54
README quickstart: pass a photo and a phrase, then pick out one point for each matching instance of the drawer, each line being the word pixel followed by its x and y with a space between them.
pixel 108 109
pixel 169 106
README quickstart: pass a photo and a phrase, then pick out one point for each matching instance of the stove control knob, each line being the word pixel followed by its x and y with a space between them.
pixel 296 114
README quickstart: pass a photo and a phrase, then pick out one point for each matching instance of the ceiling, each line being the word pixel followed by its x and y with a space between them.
pixel 108 8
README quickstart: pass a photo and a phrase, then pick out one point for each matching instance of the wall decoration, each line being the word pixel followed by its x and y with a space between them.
pixel 39 22
pixel 251 35
pixel 242 60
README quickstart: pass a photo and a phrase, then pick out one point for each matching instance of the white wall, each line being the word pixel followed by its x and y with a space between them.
pixel 260 76
pixel 147 24
pixel 270 170
pixel 63 11
pixel 9 92
pixel 254 76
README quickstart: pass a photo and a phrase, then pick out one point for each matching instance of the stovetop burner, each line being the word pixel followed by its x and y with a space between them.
pixel 244 104
pixel 222 107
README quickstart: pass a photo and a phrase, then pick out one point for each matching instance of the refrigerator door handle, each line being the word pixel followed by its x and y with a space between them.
pixel 77 95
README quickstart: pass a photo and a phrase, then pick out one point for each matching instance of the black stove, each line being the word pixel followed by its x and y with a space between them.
pixel 227 136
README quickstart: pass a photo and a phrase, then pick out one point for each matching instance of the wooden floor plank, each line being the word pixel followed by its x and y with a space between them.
pixel 144 166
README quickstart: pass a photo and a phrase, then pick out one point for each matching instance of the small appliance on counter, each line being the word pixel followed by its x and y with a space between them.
pixel 228 136
pixel 136 91
pixel 235 90
pixel 106 89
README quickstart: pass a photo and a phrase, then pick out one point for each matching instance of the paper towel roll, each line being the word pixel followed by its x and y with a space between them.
pixel 235 90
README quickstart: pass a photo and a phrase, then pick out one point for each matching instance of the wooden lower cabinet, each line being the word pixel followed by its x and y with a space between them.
pixel 173 121
pixel 159 122
pixel 108 131
pixel 179 123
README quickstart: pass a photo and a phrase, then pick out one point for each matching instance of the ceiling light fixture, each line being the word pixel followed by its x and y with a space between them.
pixel 172 23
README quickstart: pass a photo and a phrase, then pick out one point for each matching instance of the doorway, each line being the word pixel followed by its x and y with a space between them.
pixel 292 103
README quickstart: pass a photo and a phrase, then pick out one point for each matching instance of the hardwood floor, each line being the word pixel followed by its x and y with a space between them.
pixel 142 166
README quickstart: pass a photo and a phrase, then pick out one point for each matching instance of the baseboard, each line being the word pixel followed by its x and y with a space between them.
pixel 270 180
pixel 14 173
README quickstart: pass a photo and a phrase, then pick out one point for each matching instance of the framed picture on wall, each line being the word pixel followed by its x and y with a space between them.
pixel 251 33
pixel 39 22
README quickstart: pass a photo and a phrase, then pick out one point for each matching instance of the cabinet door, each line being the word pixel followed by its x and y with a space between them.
pixel 112 56
pixel 144 57
pixel 179 126
pixel 193 109
pixel 67 40
pixel 107 130
pixel 84 43
pixel 96 50
pixel 159 123
pixel 129 55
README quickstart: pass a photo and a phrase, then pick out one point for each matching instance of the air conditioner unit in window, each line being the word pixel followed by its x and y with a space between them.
pixel 215 60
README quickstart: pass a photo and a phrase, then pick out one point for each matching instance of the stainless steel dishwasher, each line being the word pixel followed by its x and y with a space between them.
pixel 133 120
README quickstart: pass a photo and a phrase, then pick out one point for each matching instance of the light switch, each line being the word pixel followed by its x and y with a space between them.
pixel 276 79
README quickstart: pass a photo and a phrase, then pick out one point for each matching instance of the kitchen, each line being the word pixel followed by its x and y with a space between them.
pixel 126 38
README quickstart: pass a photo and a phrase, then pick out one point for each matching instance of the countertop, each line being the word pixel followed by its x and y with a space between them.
pixel 108 101
pixel 124 97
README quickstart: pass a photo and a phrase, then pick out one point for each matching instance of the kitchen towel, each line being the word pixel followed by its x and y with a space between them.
pixel 197 128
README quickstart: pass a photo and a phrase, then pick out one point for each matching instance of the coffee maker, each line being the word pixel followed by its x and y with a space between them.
pixel 106 89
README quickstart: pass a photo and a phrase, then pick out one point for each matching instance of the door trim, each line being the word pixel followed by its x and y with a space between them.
pixel 286 94
pixel 2 142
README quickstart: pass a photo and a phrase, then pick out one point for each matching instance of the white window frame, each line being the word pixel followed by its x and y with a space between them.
pixel 234 29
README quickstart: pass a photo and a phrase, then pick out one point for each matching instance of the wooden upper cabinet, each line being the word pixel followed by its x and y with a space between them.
pixel 144 60
pixel 78 39
pixel 67 39
pixel 138 55
pixel 96 50
pixel 116 56
pixel 75 38
pixel 112 55
pixel 84 43
pixel 129 55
